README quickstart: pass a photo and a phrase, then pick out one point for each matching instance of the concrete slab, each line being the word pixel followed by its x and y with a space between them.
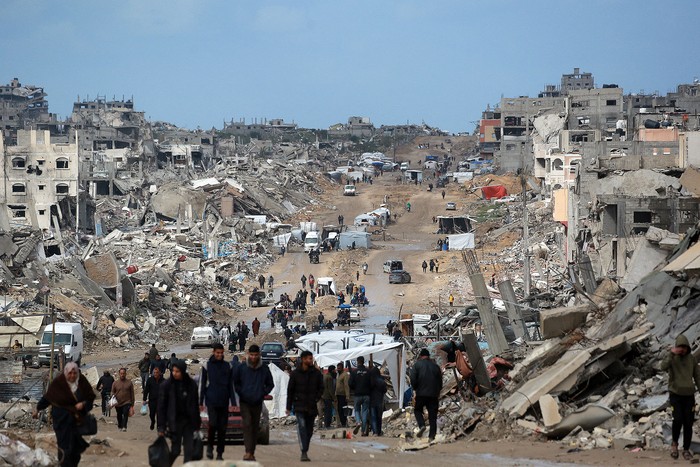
pixel 103 270
pixel 645 259
pixel 557 322
pixel 550 410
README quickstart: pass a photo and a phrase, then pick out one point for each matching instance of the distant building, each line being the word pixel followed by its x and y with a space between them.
pixel 20 104
pixel 360 127
pixel 576 81
pixel 265 129
pixel 37 175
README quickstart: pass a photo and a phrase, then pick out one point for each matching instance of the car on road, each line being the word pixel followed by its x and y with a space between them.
pixel 205 336
pixel 399 277
pixel 234 428
pixel 451 206
pixel 260 298
pixel 392 265
pixel 349 190
pixel 271 352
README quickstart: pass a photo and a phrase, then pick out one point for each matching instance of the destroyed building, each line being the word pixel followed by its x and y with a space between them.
pixel 20 105
pixel 259 128
pixel 37 174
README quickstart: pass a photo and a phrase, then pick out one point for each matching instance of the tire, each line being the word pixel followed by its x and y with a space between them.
pixel 264 437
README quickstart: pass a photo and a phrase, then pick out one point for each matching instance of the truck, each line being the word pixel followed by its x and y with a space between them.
pixel 312 241
pixel 69 338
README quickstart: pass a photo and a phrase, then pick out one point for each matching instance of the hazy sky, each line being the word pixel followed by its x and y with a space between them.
pixel 198 62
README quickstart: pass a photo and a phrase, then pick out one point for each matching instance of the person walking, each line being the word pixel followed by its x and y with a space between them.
pixel 437 266
pixel 426 380
pixel 151 394
pixel 365 267
pixel 270 282
pixel 376 400
pixel 216 391
pixel 361 384
pixel 152 352
pixel 261 281
pixel 242 338
pixel 104 386
pixel 342 393
pixel 252 381
pixel 303 281
pixel 178 411
pixel 173 359
pixel 123 390
pixel 683 379
pixel 304 390
pixel 256 327
pixel 312 281
pixel 71 398
pixel 144 368
pixel 159 363
pixel 328 396
pixel 432 265
pixel 424 266
pixel 452 300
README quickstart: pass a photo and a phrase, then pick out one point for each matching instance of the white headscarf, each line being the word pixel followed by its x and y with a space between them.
pixel 70 366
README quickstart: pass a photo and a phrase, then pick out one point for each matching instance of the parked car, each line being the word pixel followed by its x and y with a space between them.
pixel 451 206
pixel 205 336
pixel 234 428
pixel 271 352
pixel 260 298
pixel 392 265
pixel 399 277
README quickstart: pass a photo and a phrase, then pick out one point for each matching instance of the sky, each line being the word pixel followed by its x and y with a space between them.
pixel 196 63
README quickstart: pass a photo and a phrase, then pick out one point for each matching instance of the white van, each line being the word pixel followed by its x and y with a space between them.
pixel 69 337
pixel 349 190
pixel 312 241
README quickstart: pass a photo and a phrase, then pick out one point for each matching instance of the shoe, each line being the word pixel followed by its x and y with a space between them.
pixel 430 440
pixel 687 455
pixel 220 457
pixel 153 425
pixel 366 433
pixel 357 429
pixel 210 452
pixel 304 457
pixel 421 430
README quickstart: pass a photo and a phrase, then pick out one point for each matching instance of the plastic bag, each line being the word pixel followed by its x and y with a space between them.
pixel 197 447
pixel 113 401
pixel 144 409
pixel 159 453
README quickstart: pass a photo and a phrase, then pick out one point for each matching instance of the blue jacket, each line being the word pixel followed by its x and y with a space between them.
pixel 253 383
pixel 216 384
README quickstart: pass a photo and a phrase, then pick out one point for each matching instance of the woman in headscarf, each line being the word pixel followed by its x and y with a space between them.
pixel 178 411
pixel 71 397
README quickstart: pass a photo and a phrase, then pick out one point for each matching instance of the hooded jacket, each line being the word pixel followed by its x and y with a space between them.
pixel 683 370
pixel 361 381
pixel 252 383
pixel 426 378
pixel 304 390
pixel 216 384
pixel 172 394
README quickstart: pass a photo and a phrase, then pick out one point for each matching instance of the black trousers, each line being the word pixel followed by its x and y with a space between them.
pixel 342 402
pixel 123 415
pixel 218 419
pixel 153 410
pixel 683 417
pixel 105 400
pixel 327 413
pixel 251 425
pixel 430 403
pixel 182 436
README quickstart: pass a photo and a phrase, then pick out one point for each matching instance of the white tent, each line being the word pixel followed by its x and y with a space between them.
pixel 329 341
pixel 360 239
pixel 278 405
pixel 394 355
pixel 281 240
pixel 461 241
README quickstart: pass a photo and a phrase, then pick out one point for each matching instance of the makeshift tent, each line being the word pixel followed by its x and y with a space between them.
pixel 367 219
pixel 278 405
pixel 26 331
pixel 327 285
pixel 393 355
pixel 461 241
pixel 327 341
pixel 360 239
pixel 455 224
pixel 281 240
pixel 495 191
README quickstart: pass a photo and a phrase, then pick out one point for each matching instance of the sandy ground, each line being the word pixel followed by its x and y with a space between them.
pixel 412 240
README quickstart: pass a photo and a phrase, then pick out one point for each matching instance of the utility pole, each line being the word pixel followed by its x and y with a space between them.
pixel 77 192
pixel 526 233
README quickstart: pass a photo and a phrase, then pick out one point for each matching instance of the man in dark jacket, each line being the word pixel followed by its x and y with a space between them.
pixel 159 363
pixel 178 411
pixel 144 368
pixel 426 379
pixel 376 400
pixel 303 393
pixel 216 389
pixel 328 396
pixel 104 385
pixel 683 379
pixel 252 381
pixel 361 384
pixel 151 393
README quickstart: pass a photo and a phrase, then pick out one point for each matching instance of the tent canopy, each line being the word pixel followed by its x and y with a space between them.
pixel 461 242
pixel 360 239
pixel 278 405
pixel 327 341
pixel 393 355
pixel 494 191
